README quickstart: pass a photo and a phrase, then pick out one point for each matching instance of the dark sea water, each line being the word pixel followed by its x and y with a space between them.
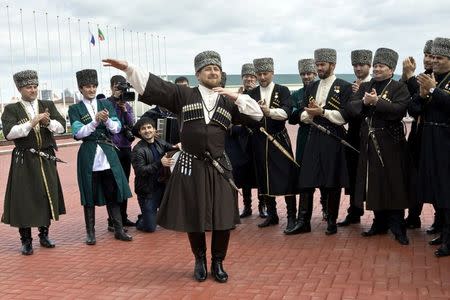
pixel 235 79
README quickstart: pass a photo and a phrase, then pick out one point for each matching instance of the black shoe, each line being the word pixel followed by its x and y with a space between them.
pixel 300 227
pixel 270 220
pixel 200 271
pixel 246 212
pixel 262 211
pixel 290 224
pixel 43 238
pixel 433 229
pixel 218 272
pixel 349 219
pixel 444 250
pixel 402 239
pixel 128 223
pixel 122 236
pixel 374 231
pixel 331 227
pixel 413 223
pixel 436 241
pixel 27 248
pixel 111 228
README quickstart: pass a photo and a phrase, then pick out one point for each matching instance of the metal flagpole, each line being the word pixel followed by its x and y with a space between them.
pixel 146 51
pixel 90 51
pixel 37 48
pixel 107 44
pixel 71 58
pixel 138 49
pixel 132 46
pixel 159 58
pixel 165 58
pixel 60 67
pixel 115 40
pixel 10 51
pixel 23 39
pixel 153 57
pixel 49 55
pixel 123 42
pixel 81 48
pixel 100 60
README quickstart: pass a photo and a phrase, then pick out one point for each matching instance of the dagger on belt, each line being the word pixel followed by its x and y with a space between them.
pixel 46 155
pixel 279 146
pixel 373 137
pixel 221 171
pixel 328 132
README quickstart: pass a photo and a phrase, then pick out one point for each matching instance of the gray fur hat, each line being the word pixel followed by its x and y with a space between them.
pixel 441 46
pixel 206 58
pixel 264 64
pixel 248 69
pixel 428 46
pixel 325 55
pixel 306 65
pixel 386 57
pixel 362 56
pixel 24 78
pixel 86 77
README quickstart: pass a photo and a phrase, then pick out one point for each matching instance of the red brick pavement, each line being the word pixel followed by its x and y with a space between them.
pixel 262 263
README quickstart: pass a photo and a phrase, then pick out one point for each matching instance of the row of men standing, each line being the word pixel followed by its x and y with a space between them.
pixel 382 175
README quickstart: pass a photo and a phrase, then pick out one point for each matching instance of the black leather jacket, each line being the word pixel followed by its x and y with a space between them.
pixel 146 168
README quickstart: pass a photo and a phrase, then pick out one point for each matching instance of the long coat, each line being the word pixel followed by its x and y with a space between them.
pixel 324 163
pixel 434 162
pixel 33 192
pixel 197 197
pixel 276 174
pixel 79 116
pixel 387 187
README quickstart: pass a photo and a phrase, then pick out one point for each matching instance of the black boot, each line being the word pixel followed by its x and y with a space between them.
pixel 26 239
pixel 197 241
pixel 114 213
pixel 354 214
pixel 398 226
pixel 436 227
pixel 436 241
pixel 247 203
pixel 43 238
pixel 219 247
pixel 291 212
pixel 123 213
pixel 89 219
pixel 379 225
pixel 324 203
pixel 334 197
pixel 303 224
pixel 262 207
pixel 444 250
pixel 272 216
pixel 349 219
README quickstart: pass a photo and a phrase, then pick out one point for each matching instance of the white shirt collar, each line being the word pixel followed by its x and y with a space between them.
pixel 329 80
pixel 268 87
pixel 204 90
pixel 367 79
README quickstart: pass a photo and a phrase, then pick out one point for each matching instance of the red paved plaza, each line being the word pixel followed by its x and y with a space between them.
pixel 262 263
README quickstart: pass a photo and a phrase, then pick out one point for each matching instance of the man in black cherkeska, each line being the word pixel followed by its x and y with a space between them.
pixel 199 196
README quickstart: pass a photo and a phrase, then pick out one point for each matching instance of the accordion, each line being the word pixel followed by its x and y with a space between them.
pixel 168 129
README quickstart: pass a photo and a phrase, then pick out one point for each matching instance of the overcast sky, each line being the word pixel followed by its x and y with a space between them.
pixel 238 30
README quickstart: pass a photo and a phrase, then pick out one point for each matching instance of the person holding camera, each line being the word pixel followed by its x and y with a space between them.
pixel 124 138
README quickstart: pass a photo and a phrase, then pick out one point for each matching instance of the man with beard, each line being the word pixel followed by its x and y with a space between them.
pixel 324 164
pixel 33 195
pixel 409 66
pixel 361 62
pixel 238 146
pixel 433 103
pixel 101 179
pixel 274 171
pixel 382 175
pixel 199 195
pixel 308 73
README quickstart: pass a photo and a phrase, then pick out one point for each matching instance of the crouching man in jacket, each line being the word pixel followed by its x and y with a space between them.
pixel 148 159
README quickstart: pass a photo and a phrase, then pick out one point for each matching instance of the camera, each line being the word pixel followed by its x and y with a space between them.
pixel 126 131
pixel 126 95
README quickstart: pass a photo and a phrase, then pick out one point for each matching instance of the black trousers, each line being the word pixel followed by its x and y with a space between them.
pixel 393 219
pixel 105 180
